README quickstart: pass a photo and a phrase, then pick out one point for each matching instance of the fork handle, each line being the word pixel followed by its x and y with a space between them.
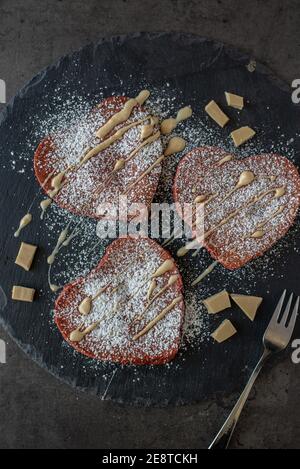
pixel 224 436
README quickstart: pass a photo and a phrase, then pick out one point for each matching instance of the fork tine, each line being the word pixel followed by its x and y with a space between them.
pixel 279 307
pixel 287 310
pixel 274 320
pixel 294 317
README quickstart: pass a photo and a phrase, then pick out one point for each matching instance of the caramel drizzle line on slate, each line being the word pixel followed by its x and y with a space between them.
pixel 26 220
pixel 61 239
pixel 79 334
pixel 168 125
pixel 205 273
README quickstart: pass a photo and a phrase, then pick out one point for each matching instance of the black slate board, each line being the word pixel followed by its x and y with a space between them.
pixel 196 70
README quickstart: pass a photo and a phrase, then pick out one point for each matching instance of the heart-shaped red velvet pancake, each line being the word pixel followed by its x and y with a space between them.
pixel 127 305
pixel 94 183
pixel 249 204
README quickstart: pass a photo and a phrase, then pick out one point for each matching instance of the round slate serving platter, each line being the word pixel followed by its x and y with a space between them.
pixel 183 69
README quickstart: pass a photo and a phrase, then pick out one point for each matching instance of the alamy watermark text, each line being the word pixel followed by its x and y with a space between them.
pixel 2 91
pixel 2 351
pixel 296 92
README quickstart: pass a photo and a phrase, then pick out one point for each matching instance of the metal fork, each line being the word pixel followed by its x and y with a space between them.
pixel 276 339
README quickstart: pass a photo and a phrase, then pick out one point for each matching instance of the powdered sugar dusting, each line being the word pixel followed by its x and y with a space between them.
pixel 94 183
pixel 232 243
pixel 127 270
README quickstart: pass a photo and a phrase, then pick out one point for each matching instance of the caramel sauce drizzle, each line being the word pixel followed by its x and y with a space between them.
pixel 61 239
pixel 109 141
pixel 246 178
pixel 185 249
pixel 165 267
pixel 205 273
pixel 172 280
pixel 243 181
pixel 54 288
pixel 27 219
pixel 24 222
pixel 148 129
pixel 87 303
pixel 118 118
pixel 168 125
pixel 152 288
pixel 78 334
pixel 44 205
pixel 225 160
pixel 202 198
pixel 260 232
pixel 85 306
pixel 176 144
pixel 158 318
pixel 121 164
pixel 123 115
pixel 58 182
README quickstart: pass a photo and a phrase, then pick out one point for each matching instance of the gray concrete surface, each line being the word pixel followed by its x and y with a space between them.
pixel 37 411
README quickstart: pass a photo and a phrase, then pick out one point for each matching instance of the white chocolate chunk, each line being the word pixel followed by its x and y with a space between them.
pixel 25 256
pixel 248 304
pixel 224 331
pixel 22 294
pixel 234 100
pixel 218 302
pixel 216 113
pixel 242 135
